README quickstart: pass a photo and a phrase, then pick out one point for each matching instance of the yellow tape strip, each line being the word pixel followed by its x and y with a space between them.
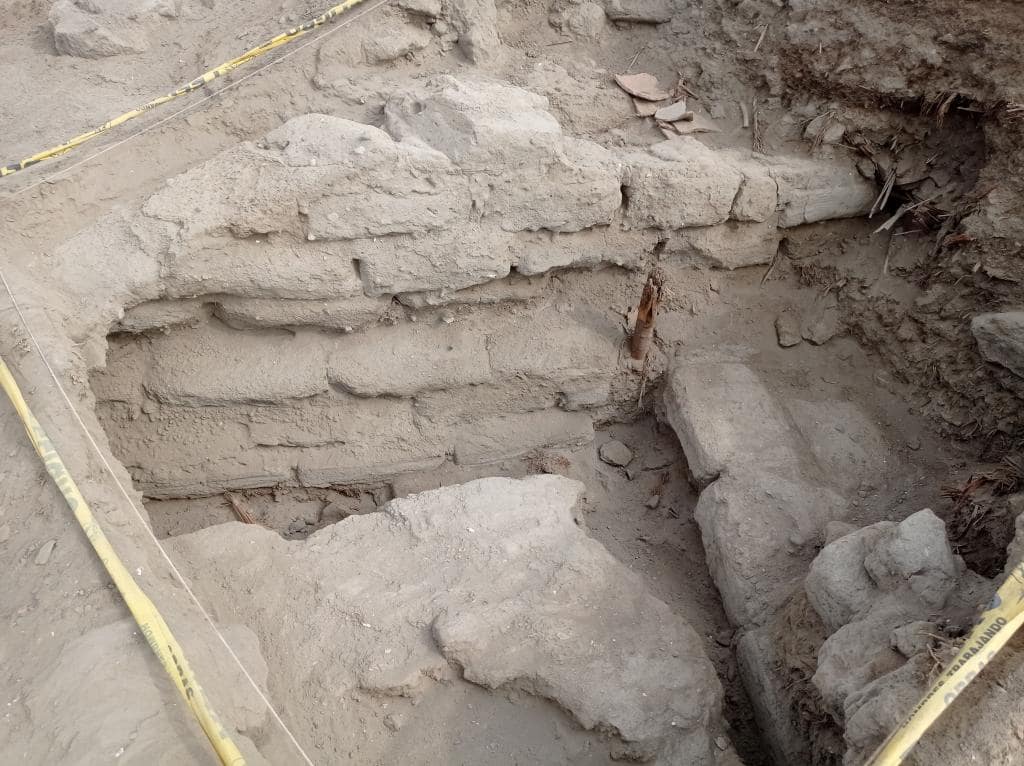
pixel 152 625
pixel 203 79
pixel 997 624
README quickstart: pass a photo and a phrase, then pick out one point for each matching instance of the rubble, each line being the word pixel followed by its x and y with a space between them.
pixel 519 607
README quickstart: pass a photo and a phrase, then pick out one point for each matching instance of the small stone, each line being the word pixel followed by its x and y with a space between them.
pixel 787 329
pixel 821 323
pixel 657 460
pixel 724 637
pixel 586 20
pixel 393 721
pixel 632 471
pixel 914 637
pixel 825 129
pixel 45 552
pixel 653 501
pixel 721 743
pixel 5 533
pixel 297 526
pixel 1000 339
pixel 615 452
pixel 672 112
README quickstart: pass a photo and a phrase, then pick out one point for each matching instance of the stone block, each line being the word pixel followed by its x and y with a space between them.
pixel 725 417
pixel 566 185
pixel 758 197
pixel 915 553
pixel 218 366
pixel 726 246
pixel 760 530
pixel 843 439
pixel 159 315
pixel 339 314
pixel 555 351
pixel 857 654
pixel 447 260
pixel 812 190
pixel 838 586
pixel 409 358
pixel 677 184
pixel 488 440
pixel 639 11
pixel 536 253
pixel 1000 338
pixel 475 121
pixel 524 174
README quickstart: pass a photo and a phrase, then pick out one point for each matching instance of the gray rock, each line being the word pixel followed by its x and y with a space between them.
pixel 915 553
pixel 492 577
pixel 760 530
pixel 914 637
pixel 857 654
pixel 820 322
pixel 487 440
pixel 586 20
pixel 787 329
pixel 476 22
pixel 639 11
pixel 402 40
pixel 679 183
pixel 724 416
pixel 727 246
pixel 1015 550
pixel 759 665
pixel 811 190
pixel 429 8
pixel 843 439
pixel 758 196
pixel 90 30
pixel 217 366
pixel 523 173
pixel 407 359
pixel 615 453
pixel 838 586
pixel 1000 338
pixel 871 711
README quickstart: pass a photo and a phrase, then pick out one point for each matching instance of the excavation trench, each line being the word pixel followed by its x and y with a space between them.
pixel 297 428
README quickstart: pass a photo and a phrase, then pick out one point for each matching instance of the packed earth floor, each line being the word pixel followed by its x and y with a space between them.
pixel 348 337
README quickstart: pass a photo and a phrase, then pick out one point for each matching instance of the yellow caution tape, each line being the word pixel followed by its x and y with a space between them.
pixel 997 624
pixel 203 79
pixel 151 624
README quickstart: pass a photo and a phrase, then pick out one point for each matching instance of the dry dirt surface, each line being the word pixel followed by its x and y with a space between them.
pixel 348 335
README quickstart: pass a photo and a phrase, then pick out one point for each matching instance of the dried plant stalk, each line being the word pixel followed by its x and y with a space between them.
pixel 646 313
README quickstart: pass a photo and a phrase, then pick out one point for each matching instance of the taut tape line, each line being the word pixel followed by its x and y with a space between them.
pixel 149 620
pixel 207 77
pixel 998 623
